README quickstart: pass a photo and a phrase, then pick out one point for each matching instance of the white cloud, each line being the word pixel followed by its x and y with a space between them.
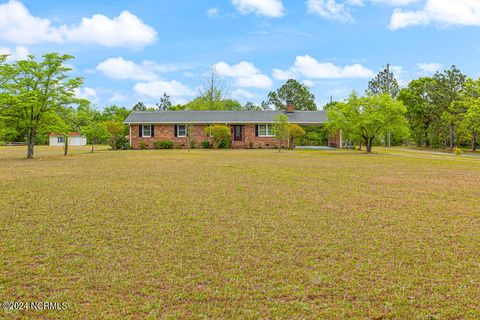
pixel 268 8
pixel 156 89
pixel 18 25
pixel 118 97
pixel 245 73
pixel 283 74
pixel 393 3
pixel 126 30
pixel 20 53
pixel 213 12
pixel 242 69
pixel 396 70
pixel 340 10
pixel 442 12
pixel 119 68
pixel 86 93
pixel 242 93
pixel 309 83
pixel 260 81
pixel 308 67
pixel 122 69
pixel 429 67
pixel 329 9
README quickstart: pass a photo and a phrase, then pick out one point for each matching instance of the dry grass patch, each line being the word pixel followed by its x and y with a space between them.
pixel 241 234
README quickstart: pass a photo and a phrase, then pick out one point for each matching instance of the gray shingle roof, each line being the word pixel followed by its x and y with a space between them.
pixel 207 117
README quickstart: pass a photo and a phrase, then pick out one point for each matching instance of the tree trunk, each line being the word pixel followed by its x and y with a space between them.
pixel 474 142
pixel 368 144
pixel 65 147
pixel 93 147
pixel 445 142
pixel 452 136
pixel 31 142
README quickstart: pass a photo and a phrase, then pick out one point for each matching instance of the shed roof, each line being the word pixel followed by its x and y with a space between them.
pixel 71 134
pixel 210 117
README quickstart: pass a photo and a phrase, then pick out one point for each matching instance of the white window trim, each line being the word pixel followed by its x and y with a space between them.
pixel 177 128
pixel 267 134
pixel 143 131
pixel 62 139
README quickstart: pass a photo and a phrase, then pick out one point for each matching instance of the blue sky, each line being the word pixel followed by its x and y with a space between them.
pixel 131 51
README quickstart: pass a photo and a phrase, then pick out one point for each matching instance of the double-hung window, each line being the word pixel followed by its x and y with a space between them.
pixel 180 130
pixel 266 130
pixel 60 139
pixel 147 131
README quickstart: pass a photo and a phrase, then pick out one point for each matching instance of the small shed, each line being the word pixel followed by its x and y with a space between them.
pixel 74 139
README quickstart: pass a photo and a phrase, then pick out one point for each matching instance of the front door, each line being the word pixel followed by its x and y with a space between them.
pixel 237 133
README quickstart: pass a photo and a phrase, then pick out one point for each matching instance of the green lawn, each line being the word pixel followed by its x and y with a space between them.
pixel 241 234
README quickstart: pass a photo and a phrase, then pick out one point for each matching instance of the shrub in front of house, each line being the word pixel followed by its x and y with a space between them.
pixel 192 144
pixel 142 145
pixel 224 144
pixel 163 144
pixel 205 144
pixel 121 143
pixel 220 135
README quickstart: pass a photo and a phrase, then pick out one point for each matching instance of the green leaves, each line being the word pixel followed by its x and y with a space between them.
pixel 219 133
pixel 294 91
pixel 364 118
pixel 384 83
pixel 202 103
pixel 34 93
pixel 281 129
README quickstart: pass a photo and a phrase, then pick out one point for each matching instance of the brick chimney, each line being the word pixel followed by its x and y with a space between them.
pixel 290 106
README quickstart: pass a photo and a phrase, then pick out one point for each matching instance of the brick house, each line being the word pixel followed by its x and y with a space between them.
pixel 253 128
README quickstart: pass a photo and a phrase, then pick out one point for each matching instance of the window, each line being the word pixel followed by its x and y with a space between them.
pixel 60 139
pixel 180 130
pixel 266 130
pixel 147 131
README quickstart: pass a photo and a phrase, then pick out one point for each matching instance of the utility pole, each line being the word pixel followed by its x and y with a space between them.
pixel 388 90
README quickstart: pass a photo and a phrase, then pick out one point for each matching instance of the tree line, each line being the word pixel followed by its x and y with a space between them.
pixel 441 111
pixel 37 96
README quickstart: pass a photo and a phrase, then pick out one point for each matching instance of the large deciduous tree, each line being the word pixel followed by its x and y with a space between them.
pixel 470 104
pixel 423 116
pixel 293 91
pixel 367 117
pixel 447 88
pixel 32 92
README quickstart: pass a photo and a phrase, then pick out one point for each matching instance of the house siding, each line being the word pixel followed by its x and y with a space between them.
pixel 166 132
pixel 72 141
